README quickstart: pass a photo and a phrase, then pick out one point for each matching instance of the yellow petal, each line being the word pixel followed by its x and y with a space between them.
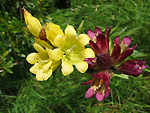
pixel 47 66
pixel 43 75
pixel 67 68
pixel 84 39
pixel 88 53
pixel 43 43
pixel 49 52
pixel 52 30
pixel 56 54
pixel 70 31
pixel 38 48
pixel 59 40
pixel 33 24
pixel 32 58
pixel 82 66
pixel 35 68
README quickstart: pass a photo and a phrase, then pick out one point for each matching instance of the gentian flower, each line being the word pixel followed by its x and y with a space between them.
pixel 105 61
pixel 121 50
pixel 57 47
pixel 43 63
pixel 99 84
pixel 71 50
pixel 132 67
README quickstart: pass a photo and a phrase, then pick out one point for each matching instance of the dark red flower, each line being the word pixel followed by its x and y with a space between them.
pixel 121 50
pixel 99 84
pixel 132 67
pixel 98 41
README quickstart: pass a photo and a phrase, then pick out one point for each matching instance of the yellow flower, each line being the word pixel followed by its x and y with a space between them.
pixel 71 50
pixel 35 27
pixel 52 30
pixel 43 64
pixel 33 24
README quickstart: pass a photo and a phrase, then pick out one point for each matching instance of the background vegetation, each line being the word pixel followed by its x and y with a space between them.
pixel 21 93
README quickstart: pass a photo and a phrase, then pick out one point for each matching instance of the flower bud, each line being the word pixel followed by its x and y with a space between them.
pixel 33 24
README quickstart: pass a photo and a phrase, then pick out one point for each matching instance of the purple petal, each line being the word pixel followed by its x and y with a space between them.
pixel 94 47
pixel 97 30
pixel 90 61
pixel 115 53
pixel 91 34
pixel 102 43
pixel 143 67
pixel 86 83
pixel 89 93
pixel 126 40
pixel 107 92
pixel 100 96
pixel 116 41
pixel 125 54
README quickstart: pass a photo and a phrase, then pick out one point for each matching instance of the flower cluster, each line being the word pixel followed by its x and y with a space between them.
pixel 105 62
pixel 55 47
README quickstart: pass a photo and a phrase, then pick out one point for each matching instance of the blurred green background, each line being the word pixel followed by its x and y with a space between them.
pixel 20 92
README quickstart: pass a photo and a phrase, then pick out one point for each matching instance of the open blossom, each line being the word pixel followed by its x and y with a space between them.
pixel 99 85
pixel 67 48
pixel 104 60
pixel 132 67
pixel 43 64
pixel 71 50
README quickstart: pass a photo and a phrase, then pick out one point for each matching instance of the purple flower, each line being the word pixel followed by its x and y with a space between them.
pixel 121 50
pixel 98 41
pixel 105 63
pixel 99 85
pixel 132 67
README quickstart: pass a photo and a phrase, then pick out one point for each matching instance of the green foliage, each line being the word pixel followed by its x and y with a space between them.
pixel 21 93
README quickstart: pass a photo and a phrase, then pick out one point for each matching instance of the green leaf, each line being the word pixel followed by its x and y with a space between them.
pixel 9 70
pixel 79 30
pixel 5 54
pixel 138 54
pixel 122 76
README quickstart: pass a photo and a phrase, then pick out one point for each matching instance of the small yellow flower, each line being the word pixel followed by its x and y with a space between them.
pixel 35 27
pixel 71 50
pixel 43 64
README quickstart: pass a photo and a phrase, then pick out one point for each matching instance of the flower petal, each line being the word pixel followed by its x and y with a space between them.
pixel 52 30
pixel 43 75
pixel 86 83
pixel 59 40
pixel 126 40
pixel 43 43
pixel 56 54
pixel 84 39
pixel 70 31
pixel 35 68
pixel 89 93
pixel 107 92
pixel 47 66
pixel 88 53
pixel 81 66
pixel 67 68
pixel 117 40
pixel 91 34
pixel 100 96
pixel 32 58
pixel 97 30
pixel 38 48
pixel 94 47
